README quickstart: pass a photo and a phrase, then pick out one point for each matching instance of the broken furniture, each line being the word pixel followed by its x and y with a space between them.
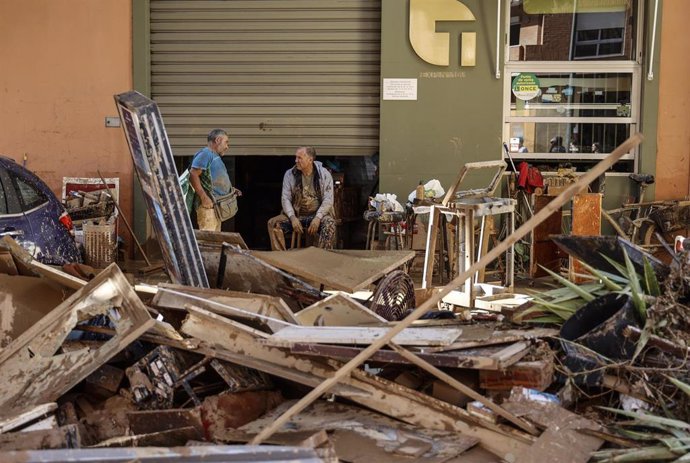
pixel 386 223
pixel 465 206
pixel 153 161
pixel 37 371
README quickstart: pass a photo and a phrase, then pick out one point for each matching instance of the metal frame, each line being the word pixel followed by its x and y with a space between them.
pixel 155 166
pixel 633 67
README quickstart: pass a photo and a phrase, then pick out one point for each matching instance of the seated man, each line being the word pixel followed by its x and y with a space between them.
pixel 307 201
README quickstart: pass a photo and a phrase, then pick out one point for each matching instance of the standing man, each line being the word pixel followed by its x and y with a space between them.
pixel 209 177
pixel 556 145
pixel 307 201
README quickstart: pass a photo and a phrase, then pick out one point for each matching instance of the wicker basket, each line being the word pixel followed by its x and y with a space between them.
pixel 100 244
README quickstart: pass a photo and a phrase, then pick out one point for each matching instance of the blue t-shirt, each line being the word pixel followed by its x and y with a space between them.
pixel 219 173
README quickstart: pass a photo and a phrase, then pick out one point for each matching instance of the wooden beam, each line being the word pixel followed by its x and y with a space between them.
pixel 527 227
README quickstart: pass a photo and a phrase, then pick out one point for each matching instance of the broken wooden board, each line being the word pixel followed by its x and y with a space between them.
pixel 214 239
pixel 560 442
pixel 23 258
pixel 23 301
pixel 65 437
pixel 359 335
pixel 486 358
pixel 152 421
pixel 227 338
pixel 377 438
pixel 11 423
pixel 347 270
pixel 338 310
pixel 536 374
pixel 34 369
pixel 480 335
pixel 214 300
pixel 544 252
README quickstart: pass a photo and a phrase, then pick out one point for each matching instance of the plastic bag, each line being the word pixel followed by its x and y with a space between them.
pixel 432 189
pixel 386 202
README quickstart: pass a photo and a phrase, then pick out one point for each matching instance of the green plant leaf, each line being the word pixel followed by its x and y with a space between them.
pixel 619 267
pixel 565 282
pixel 680 384
pixel 608 282
pixel 650 279
pixel 637 294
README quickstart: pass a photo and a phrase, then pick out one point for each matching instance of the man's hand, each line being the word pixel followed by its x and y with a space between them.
pixel 314 226
pixel 296 225
pixel 238 193
pixel 206 202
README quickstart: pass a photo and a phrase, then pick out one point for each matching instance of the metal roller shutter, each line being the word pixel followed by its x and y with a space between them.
pixel 276 74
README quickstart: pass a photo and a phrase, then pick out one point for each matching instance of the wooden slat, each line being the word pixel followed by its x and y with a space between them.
pixel 338 310
pixel 486 358
pixel 362 335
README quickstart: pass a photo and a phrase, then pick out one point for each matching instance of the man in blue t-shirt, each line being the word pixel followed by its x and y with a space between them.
pixel 210 158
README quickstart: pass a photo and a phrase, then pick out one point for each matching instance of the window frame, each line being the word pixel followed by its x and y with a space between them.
pixel 579 66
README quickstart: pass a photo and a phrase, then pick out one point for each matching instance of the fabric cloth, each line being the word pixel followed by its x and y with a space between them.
pixel 280 224
pixel 220 180
pixel 291 196
pixel 310 200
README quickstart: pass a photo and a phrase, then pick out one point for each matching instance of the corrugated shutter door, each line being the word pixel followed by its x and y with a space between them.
pixel 276 74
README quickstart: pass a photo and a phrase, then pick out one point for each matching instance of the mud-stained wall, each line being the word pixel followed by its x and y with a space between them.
pixel 62 62
pixel 673 135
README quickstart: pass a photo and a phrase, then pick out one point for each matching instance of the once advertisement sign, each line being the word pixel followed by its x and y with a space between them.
pixel 525 86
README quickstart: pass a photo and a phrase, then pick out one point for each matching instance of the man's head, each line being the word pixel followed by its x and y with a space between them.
pixel 218 141
pixel 557 140
pixel 304 158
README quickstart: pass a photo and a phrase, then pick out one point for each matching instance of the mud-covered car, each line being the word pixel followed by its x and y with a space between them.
pixel 32 215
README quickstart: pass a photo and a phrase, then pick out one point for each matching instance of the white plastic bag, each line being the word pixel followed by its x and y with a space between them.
pixel 386 202
pixel 432 189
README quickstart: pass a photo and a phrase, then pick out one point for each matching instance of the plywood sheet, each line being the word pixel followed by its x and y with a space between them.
pixel 23 302
pixel 338 310
pixel 347 270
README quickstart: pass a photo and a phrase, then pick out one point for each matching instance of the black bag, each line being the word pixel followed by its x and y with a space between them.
pixel 226 205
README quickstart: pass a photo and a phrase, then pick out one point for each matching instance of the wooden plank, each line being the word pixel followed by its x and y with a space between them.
pixel 477 335
pixel 383 396
pixel 34 368
pixel 65 437
pixel 213 238
pixel 338 310
pixel 526 228
pixel 362 335
pixel 8 424
pixel 347 271
pixel 268 310
pixel 22 255
pixel 586 222
pixel 487 358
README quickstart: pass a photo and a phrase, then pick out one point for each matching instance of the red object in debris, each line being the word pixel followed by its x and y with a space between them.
pixel 66 220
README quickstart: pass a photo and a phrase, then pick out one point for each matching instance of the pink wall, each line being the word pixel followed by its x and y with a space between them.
pixel 62 62
pixel 673 134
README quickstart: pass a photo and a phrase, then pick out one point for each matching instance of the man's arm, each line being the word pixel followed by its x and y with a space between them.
pixel 326 195
pixel 195 181
pixel 286 195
